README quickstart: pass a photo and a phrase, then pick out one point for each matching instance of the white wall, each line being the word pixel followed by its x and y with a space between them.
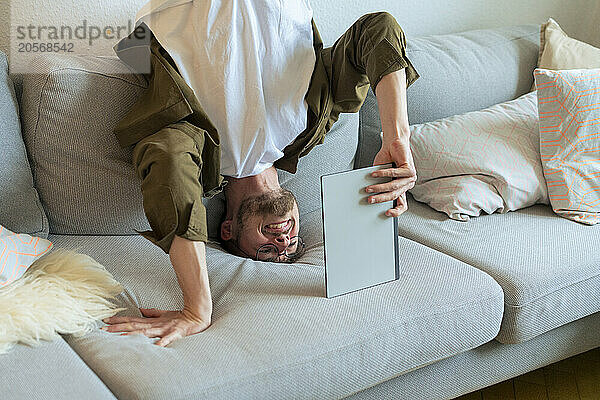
pixel 443 16
pixel 579 18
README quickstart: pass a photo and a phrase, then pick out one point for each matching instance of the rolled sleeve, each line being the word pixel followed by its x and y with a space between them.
pixel 169 164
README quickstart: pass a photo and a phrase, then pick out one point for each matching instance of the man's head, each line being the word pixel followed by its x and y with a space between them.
pixel 262 226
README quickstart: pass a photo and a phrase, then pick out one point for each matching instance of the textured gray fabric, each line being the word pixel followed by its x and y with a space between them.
pixel 274 334
pixel 20 207
pixel 548 267
pixel 86 181
pixel 335 154
pixel 488 364
pixel 50 371
pixel 460 72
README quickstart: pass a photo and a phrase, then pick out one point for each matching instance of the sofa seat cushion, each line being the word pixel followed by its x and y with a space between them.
pixel 50 371
pixel 548 267
pixel 274 334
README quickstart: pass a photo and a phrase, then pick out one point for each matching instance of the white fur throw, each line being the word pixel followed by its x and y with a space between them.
pixel 63 292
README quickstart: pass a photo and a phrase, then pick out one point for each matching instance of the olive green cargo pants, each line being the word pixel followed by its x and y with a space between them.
pixel 169 162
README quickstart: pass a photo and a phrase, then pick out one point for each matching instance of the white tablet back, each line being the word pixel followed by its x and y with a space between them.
pixel 360 240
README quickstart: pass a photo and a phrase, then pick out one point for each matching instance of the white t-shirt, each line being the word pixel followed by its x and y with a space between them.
pixel 249 63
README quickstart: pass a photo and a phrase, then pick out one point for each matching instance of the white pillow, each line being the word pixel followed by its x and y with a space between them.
pixel 569 109
pixel 17 253
pixel 484 160
pixel 559 51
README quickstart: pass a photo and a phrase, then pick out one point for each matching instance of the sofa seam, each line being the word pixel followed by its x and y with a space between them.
pixel 37 200
pixel 97 73
pixel 35 131
pixel 88 367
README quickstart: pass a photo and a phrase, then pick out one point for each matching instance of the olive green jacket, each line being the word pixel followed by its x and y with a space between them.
pixel 169 99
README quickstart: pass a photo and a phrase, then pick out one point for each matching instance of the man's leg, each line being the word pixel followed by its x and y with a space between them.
pixel 371 48
pixel 169 164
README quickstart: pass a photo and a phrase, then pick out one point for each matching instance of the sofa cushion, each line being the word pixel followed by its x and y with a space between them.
pixel 86 181
pixel 50 371
pixel 559 51
pixel 548 267
pixel 460 72
pixel 21 210
pixel 274 334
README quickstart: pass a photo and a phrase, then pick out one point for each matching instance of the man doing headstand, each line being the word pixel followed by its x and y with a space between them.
pixel 235 90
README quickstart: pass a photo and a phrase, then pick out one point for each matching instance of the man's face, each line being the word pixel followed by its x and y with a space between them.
pixel 269 218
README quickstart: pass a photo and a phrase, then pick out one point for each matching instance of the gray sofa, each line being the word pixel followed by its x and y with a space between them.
pixel 477 302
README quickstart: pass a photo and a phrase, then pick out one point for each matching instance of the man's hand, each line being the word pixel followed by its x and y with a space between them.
pixel 189 262
pixel 167 325
pixel 404 176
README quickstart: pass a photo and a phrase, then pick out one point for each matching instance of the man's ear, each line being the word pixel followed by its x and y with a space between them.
pixel 227 230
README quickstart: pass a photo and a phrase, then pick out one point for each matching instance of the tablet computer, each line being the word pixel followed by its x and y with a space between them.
pixel 361 242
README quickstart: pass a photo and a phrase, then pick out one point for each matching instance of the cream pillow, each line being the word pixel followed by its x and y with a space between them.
pixel 569 109
pixel 17 253
pixel 484 160
pixel 559 51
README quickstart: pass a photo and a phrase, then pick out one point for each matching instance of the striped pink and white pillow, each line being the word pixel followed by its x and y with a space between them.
pixel 17 252
pixel 569 110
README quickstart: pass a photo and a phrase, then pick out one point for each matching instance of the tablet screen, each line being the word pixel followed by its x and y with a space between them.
pixel 361 242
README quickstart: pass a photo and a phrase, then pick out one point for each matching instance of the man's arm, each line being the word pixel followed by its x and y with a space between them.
pixel 189 262
pixel 168 164
pixel 395 147
pixel 373 52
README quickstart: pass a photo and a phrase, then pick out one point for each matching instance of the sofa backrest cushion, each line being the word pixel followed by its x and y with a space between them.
pixel 70 106
pixel 20 207
pixel 460 72
pixel 87 181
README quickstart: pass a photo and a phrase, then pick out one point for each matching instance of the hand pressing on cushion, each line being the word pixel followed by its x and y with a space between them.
pixel 189 262
pixel 168 325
